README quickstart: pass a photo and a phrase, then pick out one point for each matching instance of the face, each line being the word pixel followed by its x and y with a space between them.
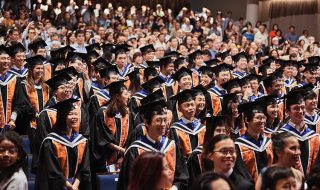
pixel 80 38
pixel 121 60
pixel 297 112
pixel 310 77
pixel 185 82
pixel 220 130
pixel 223 156
pixel 198 61
pixel 165 176
pixel 158 125
pixel 72 119
pixel 257 124
pixel 125 95
pixel 234 109
pixel 272 111
pixel 219 184
pixel 38 71
pixel 19 59
pixel 246 88
pixel 205 80
pixel 242 64
pixel 149 56
pixel 169 69
pixel 200 102
pixel 251 64
pixel 4 62
pixel 188 109
pixel 77 64
pixel 63 92
pixel 254 85
pixel 8 154
pixel 223 76
pixel 311 104
pixel 291 152
pixel 286 184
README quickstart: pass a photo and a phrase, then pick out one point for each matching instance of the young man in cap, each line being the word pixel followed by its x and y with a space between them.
pixel 240 61
pixel 188 132
pixel 121 60
pixel 155 120
pixel 147 54
pixel 18 56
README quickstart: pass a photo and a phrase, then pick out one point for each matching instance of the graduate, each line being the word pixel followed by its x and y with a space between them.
pixel 98 82
pixel 166 70
pixel 240 61
pixel 38 47
pixel 110 128
pixel 148 54
pixel 64 153
pixel 289 79
pixel 312 117
pixel 200 101
pixel 222 75
pixel 8 83
pixel 308 138
pixel 254 81
pixel 225 57
pixel 215 125
pixel 187 132
pixel 18 56
pixel 254 149
pixel 195 62
pixel 121 61
pixel 206 76
pixel 155 120
pixel 34 94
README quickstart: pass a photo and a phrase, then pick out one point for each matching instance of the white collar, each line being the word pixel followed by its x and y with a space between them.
pixel 228 173
pixel 297 127
pixel 150 139
pixel 186 121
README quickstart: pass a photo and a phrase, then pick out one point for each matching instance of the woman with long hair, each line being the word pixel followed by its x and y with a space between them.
pixel 64 154
pixel 150 171
pixel 13 162
pixel 111 127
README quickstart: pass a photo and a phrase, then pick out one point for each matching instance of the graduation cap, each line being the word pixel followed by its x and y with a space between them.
pixel 92 54
pixel 247 108
pixel 270 79
pixel 239 56
pixel 263 69
pixel 224 54
pixel 37 44
pixel 212 62
pixel 107 70
pixel 64 107
pixel 179 61
pixel 100 63
pixel 311 67
pixel 120 49
pixel 71 71
pixel 314 60
pixel 205 70
pixel 194 54
pixel 183 96
pixel 232 97
pixel 156 95
pixel 76 55
pixel 58 80
pixel 268 61
pixel 116 87
pixel 222 67
pixel 294 96
pixel 61 52
pixel 150 71
pixel 259 54
pixel 199 90
pixel 231 83
pixel 181 73
pixel 243 81
pixel 93 47
pixel 173 53
pixel 3 50
pixel 16 48
pixel 214 121
pixel 35 60
pixel 152 107
pixel 152 83
pixel 147 49
pixel 107 47
pixel 153 63
pixel 251 77
pixel 57 62
pixel 264 101
pixel 164 61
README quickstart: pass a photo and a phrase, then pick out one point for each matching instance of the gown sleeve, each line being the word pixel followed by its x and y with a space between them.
pixel 193 165
pixel 181 175
pixel 84 173
pixel 126 168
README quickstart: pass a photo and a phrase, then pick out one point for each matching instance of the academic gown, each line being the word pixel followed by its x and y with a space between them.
pixel 309 146
pixel 106 130
pixel 8 93
pixel 22 74
pixel 313 121
pixel 187 136
pixel 96 101
pixel 134 103
pixel 47 71
pixel 63 159
pixel 253 155
pixel 213 100
pixel 179 173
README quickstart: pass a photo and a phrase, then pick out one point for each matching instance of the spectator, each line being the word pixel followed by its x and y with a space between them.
pixel 291 36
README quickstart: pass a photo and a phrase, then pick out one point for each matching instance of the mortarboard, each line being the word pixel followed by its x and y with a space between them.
pixel 179 61
pixel 259 54
pixel 16 48
pixel 107 70
pixel 3 50
pixel 58 80
pixel 35 60
pixel 93 47
pixel 173 53
pixel 222 67
pixel 116 87
pixel 64 107
pixel 264 101
pixel 107 48
pixel 247 108
pixel 92 54
pixel 311 67
pixel 268 61
pixel 314 59
pixel 150 71
pixel 120 49
pixel 100 63
pixel 232 97
pixel 183 96
pixel 154 96
pixel 152 83
pixel 152 107
pixel 76 55
pixel 181 73
pixel 147 49
pixel 212 62
pixel 199 90
pixel 224 54
pixel 194 54
pixel 231 83
pixel 238 56
pixel 61 52
pixel 267 82
pixel 214 121
pixel 205 70
pixel 37 44
pixel 57 62
pixel 71 71
pixel 134 74
pixel 251 77
pixel 153 63
pixel 164 61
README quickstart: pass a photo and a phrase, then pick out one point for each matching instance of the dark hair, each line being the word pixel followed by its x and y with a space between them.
pixel 61 124
pixel 115 105
pixel 146 171
pixel 278 143
pixel 249 115
pixel 79 32
pixel 310 94
pixel 297 99
pixel 313 179
pixel 22 162
pixel 208 147
pixel 272 175
pixel 157 110
pixel 203 182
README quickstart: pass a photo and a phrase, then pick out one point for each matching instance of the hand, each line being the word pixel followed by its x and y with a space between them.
pixel 122 150
pixel 74 187
pixel 12 124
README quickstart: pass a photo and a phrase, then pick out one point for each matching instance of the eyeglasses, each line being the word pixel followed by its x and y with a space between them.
pixel 225 152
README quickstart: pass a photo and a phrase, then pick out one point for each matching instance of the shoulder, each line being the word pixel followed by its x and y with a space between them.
pixel 18 181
